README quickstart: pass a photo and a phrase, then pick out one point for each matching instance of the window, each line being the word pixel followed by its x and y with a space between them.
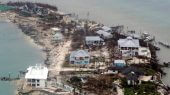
pixel 33 80
pixel 38 80
pixel 125 48
pixel 38 84
pixel 144 51
pixel 133 48
pixel 72 62
pixel 33 85
pixel 28 80
pixel 81 58
pixel 136 53
pixel 86 57
pixel 86 62
pixel 95 42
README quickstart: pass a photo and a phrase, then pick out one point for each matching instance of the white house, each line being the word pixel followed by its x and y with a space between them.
pixel 94 41
pixel 80 57
pixel 36 76
pixel 128 46
pixel 144 52
pixel 104 34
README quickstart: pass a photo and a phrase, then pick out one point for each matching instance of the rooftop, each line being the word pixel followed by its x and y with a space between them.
pixel 143 51
pixel 37 72
pixel 120 61
pixel 55 29
pixel 80 53
pixel 93 38
pixel 128 42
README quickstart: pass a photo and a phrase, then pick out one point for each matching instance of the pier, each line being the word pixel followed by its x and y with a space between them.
pixel 164 44
pixel 8 79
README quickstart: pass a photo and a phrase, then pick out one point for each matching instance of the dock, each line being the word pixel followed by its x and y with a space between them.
pixel 164 44
pixel 8 79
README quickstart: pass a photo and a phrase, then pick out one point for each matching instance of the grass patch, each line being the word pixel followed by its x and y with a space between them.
pixel 146 88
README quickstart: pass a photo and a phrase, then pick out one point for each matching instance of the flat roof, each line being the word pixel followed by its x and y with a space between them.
pixel 37 72
pixel 143 51
pixel 119 61
pixel 55 29
pixel 93 38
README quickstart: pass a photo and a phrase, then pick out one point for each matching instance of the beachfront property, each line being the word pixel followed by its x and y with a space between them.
pixel 36 76
pixel 104 34
pixel 94 41
pixel 119 63
pixel 80 57
pixel 128 46
pixel 144 52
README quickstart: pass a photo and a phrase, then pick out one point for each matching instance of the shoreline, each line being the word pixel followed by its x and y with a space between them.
pixel 50 58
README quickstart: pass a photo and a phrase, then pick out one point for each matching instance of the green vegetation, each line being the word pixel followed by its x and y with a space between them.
pixel 149 71
pixel 146 88
pixel 129 91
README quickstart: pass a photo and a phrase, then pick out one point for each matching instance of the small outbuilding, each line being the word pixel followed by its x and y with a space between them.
pixel 119 63
pixel 145 78
pixel 144 52
pixel 56 29
pixel 80 57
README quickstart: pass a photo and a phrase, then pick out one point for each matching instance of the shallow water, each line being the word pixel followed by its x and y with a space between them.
pixel 16 54
pixel 142 15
